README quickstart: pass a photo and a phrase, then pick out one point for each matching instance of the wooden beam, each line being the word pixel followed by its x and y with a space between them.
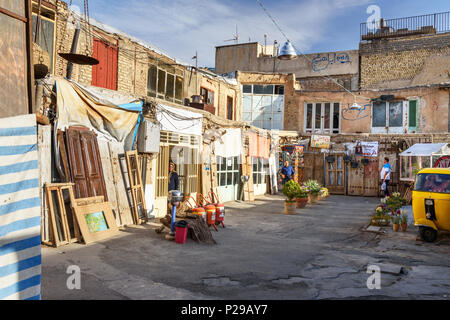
pixel 13 15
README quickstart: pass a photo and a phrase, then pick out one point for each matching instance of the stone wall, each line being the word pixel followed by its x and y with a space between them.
pixel 402 62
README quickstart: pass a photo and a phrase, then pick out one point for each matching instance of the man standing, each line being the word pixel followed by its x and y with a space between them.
pixel 173 177
pixel 287 172
pixel 385 176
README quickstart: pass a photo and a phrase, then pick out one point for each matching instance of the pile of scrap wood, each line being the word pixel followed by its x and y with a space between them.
pixel 198 228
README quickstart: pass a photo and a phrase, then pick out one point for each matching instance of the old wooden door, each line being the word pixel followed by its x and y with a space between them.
pixel 104 74
pixel 335 174
pixel 313 167
pixel 85 163
pixel 371 180
pixel 355 180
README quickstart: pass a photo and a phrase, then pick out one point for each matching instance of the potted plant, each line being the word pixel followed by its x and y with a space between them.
pixel 381 218
pixel 314 190
pixel 301 197
pixel 323 193
pixel 395 221
pixel 404 220
pixel 290 190
pixel 395 202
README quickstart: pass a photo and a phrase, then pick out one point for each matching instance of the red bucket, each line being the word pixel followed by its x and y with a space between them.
pixel 181 230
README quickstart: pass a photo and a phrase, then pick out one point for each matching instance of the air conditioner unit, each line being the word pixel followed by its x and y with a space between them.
pixel 148 137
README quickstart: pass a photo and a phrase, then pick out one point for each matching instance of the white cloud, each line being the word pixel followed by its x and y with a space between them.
pixel 182 27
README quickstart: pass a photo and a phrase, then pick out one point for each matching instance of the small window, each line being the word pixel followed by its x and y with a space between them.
pixel 258 89
pixel 208 96
pixel 152 78
pixel 279 89
pixel 379 114
pixel 179 88
pixel 247 88
pixel 230 108
pixel 161 81
pixel 170 86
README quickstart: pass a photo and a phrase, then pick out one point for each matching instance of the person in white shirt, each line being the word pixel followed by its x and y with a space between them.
pixel 385 176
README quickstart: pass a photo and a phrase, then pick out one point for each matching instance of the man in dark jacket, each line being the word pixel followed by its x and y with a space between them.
pixel 173 177
pixel 287 172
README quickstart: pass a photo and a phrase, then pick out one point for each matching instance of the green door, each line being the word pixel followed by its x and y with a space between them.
pixel 413 115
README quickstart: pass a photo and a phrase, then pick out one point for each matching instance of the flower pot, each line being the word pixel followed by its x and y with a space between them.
pixel 395 226
pixel 301 202
pixel 289 207
pixel 404 226
pixel 380 221
pixel 312 198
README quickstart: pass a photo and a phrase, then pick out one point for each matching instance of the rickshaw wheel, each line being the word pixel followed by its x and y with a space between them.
pixel 427 234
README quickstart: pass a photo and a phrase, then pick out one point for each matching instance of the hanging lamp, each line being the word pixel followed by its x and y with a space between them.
pixel 287 52
pixel 82 59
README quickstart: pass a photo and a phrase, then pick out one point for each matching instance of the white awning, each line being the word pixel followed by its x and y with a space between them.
pixel 425 149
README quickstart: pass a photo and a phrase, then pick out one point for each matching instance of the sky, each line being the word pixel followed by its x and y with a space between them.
pixel 182 27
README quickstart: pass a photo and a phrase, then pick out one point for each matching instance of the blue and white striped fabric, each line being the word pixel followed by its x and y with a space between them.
pixel 20 222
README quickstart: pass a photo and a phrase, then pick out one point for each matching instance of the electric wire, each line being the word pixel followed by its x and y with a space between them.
pixel 304 55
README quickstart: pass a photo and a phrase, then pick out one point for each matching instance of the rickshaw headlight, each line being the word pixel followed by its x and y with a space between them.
pixel 429 202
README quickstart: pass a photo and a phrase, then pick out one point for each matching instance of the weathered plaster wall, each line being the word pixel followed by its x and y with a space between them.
pixel 432 108
pixel 249 57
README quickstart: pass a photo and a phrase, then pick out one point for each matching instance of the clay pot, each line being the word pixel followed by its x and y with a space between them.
pixel 395 226
pixel 404 226
pixel 312 198
pixel 289 207
pixel 301 202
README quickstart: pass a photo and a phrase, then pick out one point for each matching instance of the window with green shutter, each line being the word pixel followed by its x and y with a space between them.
pixel 412 119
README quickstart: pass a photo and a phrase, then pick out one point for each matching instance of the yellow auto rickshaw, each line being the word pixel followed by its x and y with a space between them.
pixel 431 202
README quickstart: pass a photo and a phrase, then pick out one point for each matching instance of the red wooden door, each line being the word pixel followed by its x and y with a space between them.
pixel 104 74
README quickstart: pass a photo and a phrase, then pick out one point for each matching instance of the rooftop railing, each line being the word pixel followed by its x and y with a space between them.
pixel 400 27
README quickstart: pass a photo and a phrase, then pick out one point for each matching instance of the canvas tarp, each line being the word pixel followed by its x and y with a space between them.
pixel 230 144
pixel 179 120
pixel 77 107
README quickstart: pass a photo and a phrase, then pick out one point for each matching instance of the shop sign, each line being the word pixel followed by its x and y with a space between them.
pixel 322 142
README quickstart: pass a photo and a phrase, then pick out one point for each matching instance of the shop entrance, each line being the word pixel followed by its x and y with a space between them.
pixel 335 174
pixel 228 175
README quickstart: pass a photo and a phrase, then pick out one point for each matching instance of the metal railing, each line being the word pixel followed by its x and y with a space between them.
pixel 400 27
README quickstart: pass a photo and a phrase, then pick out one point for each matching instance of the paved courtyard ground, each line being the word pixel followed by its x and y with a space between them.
pixel 321 252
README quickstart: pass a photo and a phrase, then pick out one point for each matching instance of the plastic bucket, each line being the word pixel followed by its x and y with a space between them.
pixel 181 230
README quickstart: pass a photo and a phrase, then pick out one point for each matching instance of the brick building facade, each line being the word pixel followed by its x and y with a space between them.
pixel 132 66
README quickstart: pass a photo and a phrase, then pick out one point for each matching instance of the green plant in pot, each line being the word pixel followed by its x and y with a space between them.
pixel 395 221
pixel 403 219
pixel 314 190
pixel 290 190
pixel 302 197
pixel 381 217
